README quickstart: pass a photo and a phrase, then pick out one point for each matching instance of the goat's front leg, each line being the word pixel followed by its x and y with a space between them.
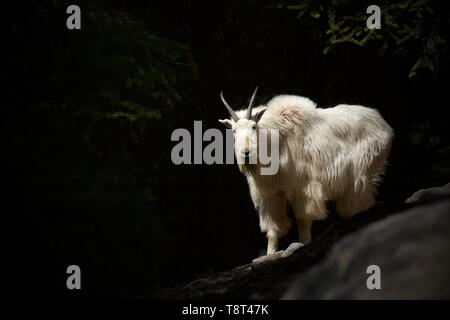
pixel 272 242
pixel 273 220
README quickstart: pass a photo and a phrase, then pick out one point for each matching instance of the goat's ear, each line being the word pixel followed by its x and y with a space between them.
pixel 259 114
pixel 227 123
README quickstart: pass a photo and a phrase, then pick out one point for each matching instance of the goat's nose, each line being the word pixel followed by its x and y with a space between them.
pixel 246 153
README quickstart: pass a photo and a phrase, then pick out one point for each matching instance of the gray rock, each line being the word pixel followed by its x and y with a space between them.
pixel 411 248
pixel 294 246
pixel 196 284
pixel 430 194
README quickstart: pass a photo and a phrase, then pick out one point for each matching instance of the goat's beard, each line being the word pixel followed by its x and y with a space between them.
pixel 247 165
pixel 247 168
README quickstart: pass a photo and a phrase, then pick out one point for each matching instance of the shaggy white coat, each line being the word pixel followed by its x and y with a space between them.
pixel 336 154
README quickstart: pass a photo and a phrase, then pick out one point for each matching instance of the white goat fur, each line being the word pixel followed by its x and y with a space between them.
pixel 336 154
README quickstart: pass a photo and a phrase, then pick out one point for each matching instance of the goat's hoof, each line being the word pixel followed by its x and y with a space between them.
pixel 291 249
pixel 268 257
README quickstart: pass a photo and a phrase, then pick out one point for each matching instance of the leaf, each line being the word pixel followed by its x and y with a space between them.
pixel 415 67
pixel 315 14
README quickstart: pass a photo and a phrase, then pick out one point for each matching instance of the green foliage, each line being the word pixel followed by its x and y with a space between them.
pixel 131 71
pixel 83 111
pixel 409 28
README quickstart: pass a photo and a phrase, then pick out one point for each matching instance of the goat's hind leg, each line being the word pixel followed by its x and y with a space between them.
pixel 304 230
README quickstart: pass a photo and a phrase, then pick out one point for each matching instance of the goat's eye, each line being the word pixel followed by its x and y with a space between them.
pixel 254 126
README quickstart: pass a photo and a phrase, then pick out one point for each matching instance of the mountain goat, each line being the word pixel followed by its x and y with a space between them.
pixel 335 154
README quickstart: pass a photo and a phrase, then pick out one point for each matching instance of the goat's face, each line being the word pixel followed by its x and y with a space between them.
pixel 245 140
pixel 245 132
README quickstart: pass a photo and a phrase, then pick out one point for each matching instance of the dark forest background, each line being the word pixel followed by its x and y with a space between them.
pixel 89 113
